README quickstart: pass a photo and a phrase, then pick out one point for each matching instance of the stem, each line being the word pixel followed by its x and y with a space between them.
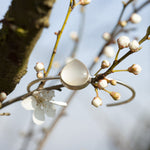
pixel 116 58
pixel 119 70
pixel 146 36
pixel 58 38
pixel 113 34
pixel 120 17
pixel 97 71
pixel 49 130
pixel 109 71
pixel 96 90
pixel 107 91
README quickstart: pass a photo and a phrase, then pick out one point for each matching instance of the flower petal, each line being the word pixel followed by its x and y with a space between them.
pixel 29 103
pixel 58 103
pixel 38 116
pixel 49 109
pixel 48 95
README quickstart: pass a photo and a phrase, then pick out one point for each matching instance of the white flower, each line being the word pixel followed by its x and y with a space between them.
pixel 102 84
pixel 135 69
pixel 74 35
pixel 109 51
pixel 135 18
pixel 123 42
pixel 105 64
pixel 85 2
pixel 97 101
pixel 41 103
pixel 134 46
pixel 39 66
pixel 106 36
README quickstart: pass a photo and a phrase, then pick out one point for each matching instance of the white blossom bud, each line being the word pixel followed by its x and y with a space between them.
pixel 135 69
pixel 3 96
pixel 123 42
pixel 115 95
pixel 106 36
pixel 74 35
pixel 123 23
pixel 135 18
pixel 113 82
pixel 102 84
pixel 85 2
pixel 97 101
pixel 109 51
pixel 40 75
pixel 105 64
pixel 134 46
pixel 39 66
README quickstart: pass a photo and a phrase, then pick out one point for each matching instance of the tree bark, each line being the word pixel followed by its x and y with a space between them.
pixel 22 27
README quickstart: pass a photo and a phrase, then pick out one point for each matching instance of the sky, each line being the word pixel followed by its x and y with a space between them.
pixel 84 127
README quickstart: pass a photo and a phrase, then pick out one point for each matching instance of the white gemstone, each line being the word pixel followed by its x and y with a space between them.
pixel 75 75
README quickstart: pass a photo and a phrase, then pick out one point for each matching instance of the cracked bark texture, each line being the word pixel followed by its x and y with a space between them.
pixel 22 27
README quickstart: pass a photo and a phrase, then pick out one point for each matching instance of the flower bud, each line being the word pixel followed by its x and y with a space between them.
pixel 135 18
pixel 97 101
pixel 40 75
pixel 134 46
pixel 109 51
pixel 3 96
pixel 123 42
pixel 135 69
pixel 123 23
pixel 102 84
pixel 106 36
pixel 115 95
pixel 39 66
pixel 105 64
pixel 74 35
pixel 85 2
pixel 113 82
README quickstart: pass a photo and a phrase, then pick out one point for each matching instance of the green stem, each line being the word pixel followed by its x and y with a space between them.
pixel 116 58
pixel 97 71
pixel 58 39
pixel 119 70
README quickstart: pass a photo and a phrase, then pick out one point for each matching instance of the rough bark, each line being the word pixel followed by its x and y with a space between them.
pixel 22 27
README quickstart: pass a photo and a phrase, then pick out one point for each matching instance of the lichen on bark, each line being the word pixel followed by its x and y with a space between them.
pixel 22 27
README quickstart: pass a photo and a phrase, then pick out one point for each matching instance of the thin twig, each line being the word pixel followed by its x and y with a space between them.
pixel 49 130
pixel 17 99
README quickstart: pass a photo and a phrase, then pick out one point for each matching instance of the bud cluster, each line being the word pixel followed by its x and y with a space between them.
pixel 39 67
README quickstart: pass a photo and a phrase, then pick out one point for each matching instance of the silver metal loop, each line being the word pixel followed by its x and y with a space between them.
pixel 40 80
pixel 125 101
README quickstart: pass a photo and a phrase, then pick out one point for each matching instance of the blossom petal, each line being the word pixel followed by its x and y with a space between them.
pixel 29 103
pixel 58 103
pixel 48 95
pixel 38 116
pixel 49 109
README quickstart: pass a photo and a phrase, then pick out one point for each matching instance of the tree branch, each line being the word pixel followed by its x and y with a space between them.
pixel 24 22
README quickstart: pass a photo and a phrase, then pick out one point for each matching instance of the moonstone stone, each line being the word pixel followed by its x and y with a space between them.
pixel 75 75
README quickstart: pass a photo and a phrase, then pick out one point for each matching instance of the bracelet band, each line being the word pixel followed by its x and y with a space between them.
pixel 125 101
pixel 40 80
